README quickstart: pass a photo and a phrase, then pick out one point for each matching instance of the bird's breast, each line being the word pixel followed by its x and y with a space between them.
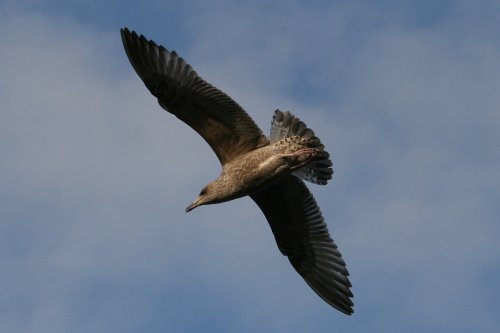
pixel 253 172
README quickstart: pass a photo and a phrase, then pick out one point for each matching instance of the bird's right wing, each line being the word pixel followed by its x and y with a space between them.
pixel 302 235
pixel 226 127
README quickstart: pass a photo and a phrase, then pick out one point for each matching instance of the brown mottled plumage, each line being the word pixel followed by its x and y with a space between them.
pixel 268 170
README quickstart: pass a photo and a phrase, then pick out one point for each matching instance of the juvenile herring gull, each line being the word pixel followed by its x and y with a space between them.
pixel 268 170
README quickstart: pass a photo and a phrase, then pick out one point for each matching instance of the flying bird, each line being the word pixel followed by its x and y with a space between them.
pixel 269 170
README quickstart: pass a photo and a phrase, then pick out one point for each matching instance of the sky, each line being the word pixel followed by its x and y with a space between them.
pixel 95 176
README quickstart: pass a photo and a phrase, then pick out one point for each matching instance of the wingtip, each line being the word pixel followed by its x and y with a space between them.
pixel 124 31
pixel 125 34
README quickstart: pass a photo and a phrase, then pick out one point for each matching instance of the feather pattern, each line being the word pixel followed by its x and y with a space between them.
pixel 285 125
pixel 214 115
pixel 302 236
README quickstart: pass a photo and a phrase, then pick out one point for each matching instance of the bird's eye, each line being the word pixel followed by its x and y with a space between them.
pixel 203 191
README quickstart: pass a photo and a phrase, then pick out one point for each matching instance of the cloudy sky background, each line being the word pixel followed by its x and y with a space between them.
pixel 94 176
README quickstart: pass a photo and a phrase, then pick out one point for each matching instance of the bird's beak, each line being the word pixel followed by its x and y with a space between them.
pixel 193 205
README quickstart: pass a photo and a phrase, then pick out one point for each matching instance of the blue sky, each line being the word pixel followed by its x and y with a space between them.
pixel 94 176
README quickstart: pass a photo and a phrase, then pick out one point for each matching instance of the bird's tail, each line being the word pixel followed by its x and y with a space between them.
pixel 286 125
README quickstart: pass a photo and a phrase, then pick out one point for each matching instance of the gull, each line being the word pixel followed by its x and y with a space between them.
pixel 269 170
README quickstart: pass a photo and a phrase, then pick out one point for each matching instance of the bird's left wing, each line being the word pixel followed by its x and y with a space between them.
pixel 224 124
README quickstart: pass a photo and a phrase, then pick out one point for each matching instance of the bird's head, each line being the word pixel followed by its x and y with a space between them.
pixel 208 195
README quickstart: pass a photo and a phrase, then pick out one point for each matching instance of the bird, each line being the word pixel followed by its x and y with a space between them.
pixel 270 170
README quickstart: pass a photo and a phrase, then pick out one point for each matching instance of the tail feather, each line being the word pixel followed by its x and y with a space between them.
pixel 285 125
